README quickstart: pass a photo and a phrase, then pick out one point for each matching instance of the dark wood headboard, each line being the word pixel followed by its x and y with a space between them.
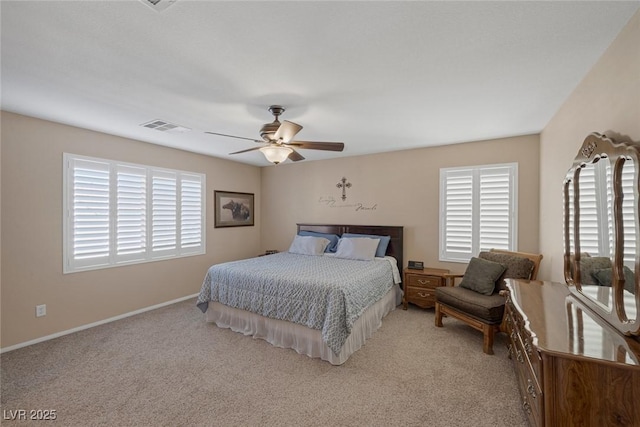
pixel 395 248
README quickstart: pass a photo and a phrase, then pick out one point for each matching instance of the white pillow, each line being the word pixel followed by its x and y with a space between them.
pixel 360 248
pixel 308 245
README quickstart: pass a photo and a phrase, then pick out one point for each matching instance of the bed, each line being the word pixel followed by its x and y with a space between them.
pixel 328 315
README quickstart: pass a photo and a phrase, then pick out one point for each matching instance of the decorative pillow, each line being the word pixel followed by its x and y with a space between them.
pixel 517 267
pixel 590 264
pixel 481 275
pixel 382 246
pixel 360 248
pixel 333 239
pixel 308 245
pixel 604 277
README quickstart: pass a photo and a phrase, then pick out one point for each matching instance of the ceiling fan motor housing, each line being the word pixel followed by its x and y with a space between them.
pixel 269 129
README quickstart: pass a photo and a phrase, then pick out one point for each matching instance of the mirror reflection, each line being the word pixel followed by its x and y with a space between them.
pixel 606 346
pixel 596 230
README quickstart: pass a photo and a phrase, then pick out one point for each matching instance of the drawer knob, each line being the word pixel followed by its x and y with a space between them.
pixel 527 347
pixel 531 389
pixel 424 295
pixel 526 407
pixel 423 282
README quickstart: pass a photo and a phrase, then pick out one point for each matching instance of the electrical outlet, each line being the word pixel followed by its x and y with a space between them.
pixel 41 310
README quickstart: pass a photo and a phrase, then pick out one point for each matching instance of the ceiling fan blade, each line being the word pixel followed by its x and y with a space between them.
pixel 233 136
pixel 295 156
pixel 287 131
pixel 317 145
pixel 244 151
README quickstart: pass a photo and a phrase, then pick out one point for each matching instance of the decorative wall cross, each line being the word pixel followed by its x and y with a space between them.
pixel 344 185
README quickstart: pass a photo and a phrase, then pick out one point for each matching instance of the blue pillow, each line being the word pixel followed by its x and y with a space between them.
pixel 333 239
pixel 382 246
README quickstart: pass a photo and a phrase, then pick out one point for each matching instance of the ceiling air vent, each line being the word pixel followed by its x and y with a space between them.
pixel 164 126
pixel 158 5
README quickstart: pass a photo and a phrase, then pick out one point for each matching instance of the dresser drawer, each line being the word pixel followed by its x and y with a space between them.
pixel 531 394
pixel 529 386
pixel 530 405
pixel 414 280
pixel 532 355
pixel 523 350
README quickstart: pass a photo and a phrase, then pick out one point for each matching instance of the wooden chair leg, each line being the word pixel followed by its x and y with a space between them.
pixel 438 318
pixel 488 331
pixel 503 324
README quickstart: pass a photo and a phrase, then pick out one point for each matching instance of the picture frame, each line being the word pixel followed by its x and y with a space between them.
pixel 233 209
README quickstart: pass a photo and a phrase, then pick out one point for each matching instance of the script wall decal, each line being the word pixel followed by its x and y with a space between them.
pixel 332 202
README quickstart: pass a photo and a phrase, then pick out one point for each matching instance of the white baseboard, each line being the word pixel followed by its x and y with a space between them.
pixel 91 325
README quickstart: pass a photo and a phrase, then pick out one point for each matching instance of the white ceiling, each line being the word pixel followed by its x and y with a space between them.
pixel 378 76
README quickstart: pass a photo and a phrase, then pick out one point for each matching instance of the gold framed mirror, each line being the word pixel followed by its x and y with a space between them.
pixel 601 230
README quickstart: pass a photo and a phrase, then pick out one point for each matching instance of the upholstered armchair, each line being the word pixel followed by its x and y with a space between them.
pixel 476 300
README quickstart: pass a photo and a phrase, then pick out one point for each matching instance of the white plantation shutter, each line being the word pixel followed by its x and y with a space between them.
pixel 458 218
pixel 608 212
pixel 572 246
pixel 477 210
pixel 119 213
pixel 591 240
pixel 88 196
pixel 192 215
pixel 164 224
pixel 629 214
pixel 495 208
pixel 131 221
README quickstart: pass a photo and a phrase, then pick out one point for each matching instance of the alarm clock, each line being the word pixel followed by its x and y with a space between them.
pixel 416 265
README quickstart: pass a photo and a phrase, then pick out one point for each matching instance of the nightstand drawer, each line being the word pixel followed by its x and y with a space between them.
pixel 424 281
pixel 422 297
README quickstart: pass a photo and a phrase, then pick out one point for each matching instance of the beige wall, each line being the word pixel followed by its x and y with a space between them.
pixel 606 101
pixel 403 186
pixel 32 231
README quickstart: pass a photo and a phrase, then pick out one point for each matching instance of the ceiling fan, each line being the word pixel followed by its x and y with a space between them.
pixel 279 139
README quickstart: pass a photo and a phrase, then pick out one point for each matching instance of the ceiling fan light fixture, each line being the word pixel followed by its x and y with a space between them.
pixel 276 153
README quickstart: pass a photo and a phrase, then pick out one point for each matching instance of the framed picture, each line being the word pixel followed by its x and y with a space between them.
pixel 233 209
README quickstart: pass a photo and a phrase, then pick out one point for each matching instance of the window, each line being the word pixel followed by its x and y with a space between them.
pixel 120 213
pixel 478 210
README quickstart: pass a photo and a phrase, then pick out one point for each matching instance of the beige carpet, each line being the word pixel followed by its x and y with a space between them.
pixel 168 367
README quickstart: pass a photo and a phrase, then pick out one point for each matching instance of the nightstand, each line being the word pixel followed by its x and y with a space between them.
pixel 269 252
pixel 419 286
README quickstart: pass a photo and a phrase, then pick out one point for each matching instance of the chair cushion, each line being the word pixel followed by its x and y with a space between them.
pixel 604 277
pixel 481 275
pixel 590 264
pixel 487 308
pixel 517 267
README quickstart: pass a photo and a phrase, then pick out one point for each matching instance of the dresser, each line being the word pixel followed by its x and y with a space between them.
pixel 572 367
pixel 419 286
